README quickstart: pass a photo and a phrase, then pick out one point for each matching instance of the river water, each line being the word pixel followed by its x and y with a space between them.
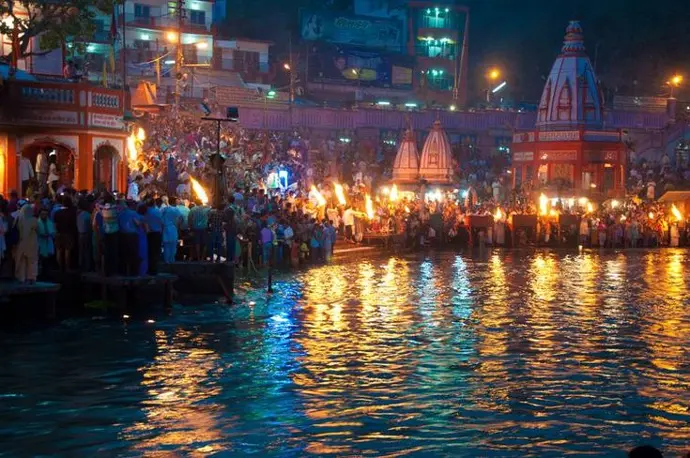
pixel 514 354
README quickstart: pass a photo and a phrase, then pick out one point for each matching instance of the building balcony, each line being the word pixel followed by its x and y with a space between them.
pixel 62 103
pixel 167 23
pixel 438 33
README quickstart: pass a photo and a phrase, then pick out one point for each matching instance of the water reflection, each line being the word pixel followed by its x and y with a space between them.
pixel 438 355
pixel 180 381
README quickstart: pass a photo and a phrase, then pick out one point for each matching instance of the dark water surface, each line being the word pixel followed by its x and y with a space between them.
pixel 519 354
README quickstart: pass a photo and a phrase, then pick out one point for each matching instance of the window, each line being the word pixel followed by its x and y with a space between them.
pixel 246 61
pixel 439 79
pixel 142 10
pixel 172 8
pixel 99 25
pixel 437 18
pixel 197 17
pixel 142 44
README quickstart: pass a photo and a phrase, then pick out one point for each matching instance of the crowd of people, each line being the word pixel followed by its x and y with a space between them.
pixel 277 202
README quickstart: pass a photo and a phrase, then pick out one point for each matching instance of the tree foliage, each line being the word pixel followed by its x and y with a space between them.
pixel 55 23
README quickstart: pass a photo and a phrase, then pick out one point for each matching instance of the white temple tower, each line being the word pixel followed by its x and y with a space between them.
pixel 406 165
pixel 436 165
pixel 571 99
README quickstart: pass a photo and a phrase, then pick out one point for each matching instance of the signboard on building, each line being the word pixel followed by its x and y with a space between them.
pixel 57 117
pixel 359 67
pixel 352 30
pixel 107 121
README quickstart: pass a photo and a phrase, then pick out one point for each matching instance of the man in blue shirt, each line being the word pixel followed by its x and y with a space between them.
pixel 154 237
pixel 129 221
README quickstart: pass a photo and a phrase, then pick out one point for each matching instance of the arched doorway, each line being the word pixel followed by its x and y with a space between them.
pixel 105 160
pixel 61 154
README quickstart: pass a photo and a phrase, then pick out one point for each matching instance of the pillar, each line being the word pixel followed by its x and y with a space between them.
pixel 83 173
pixel 3 163
pixel 12 164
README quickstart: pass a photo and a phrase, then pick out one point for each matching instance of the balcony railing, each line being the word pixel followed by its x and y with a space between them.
pixel 166 22
pixel 77 104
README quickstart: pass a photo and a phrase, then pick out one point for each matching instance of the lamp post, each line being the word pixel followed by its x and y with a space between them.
pixel 492 75
pixel 176 38
pixel 288 67
pixel 358 74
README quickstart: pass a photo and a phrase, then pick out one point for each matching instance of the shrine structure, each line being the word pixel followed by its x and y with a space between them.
pixel 435 166
pixel 78 123
pixel 570 148
pixel 406 164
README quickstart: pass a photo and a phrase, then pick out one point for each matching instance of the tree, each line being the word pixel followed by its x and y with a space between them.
pixel 54 23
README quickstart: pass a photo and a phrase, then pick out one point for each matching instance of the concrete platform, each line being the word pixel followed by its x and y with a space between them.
pixel 46 292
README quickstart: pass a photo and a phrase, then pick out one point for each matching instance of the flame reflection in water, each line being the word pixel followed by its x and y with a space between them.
pixel 514 354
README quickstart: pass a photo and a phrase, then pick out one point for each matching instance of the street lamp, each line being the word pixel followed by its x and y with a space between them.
pixel 358 74
pixel 674 82
pixel 492 75
pixel 288 68
pixel 176 37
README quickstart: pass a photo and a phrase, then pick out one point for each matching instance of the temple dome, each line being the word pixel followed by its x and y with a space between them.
pixel 435 165
pixel 571 96
pixel 406 165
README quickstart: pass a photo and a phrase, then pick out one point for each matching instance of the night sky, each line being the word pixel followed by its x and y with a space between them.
pixel 640 43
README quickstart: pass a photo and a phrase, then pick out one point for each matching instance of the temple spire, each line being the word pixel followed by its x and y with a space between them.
pixel 574 41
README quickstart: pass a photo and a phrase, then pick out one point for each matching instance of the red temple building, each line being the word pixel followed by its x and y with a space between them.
pixel 570 148
pixel 79 123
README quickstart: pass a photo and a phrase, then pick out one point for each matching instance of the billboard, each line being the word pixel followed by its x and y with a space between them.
pixel 360 67
pixel 352 30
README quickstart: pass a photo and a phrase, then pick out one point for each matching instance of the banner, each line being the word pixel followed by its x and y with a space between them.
pixel 352 30
pixel 356 66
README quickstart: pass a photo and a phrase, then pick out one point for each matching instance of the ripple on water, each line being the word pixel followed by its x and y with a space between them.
pixel 512 355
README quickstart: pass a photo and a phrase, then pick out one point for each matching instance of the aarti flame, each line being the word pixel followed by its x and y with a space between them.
pixel 199 191
pixel 340 194
pixel 543 204
pixel 590 207
pixel 394 193
pixel 132 152
pixel 499 215
pixel 651 215
pixel 676 213
pixel 141 134
pixel 314 193
pixel 369 206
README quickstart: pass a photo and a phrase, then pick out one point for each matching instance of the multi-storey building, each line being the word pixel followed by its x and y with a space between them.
pixel 411 51
pixel 437 36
